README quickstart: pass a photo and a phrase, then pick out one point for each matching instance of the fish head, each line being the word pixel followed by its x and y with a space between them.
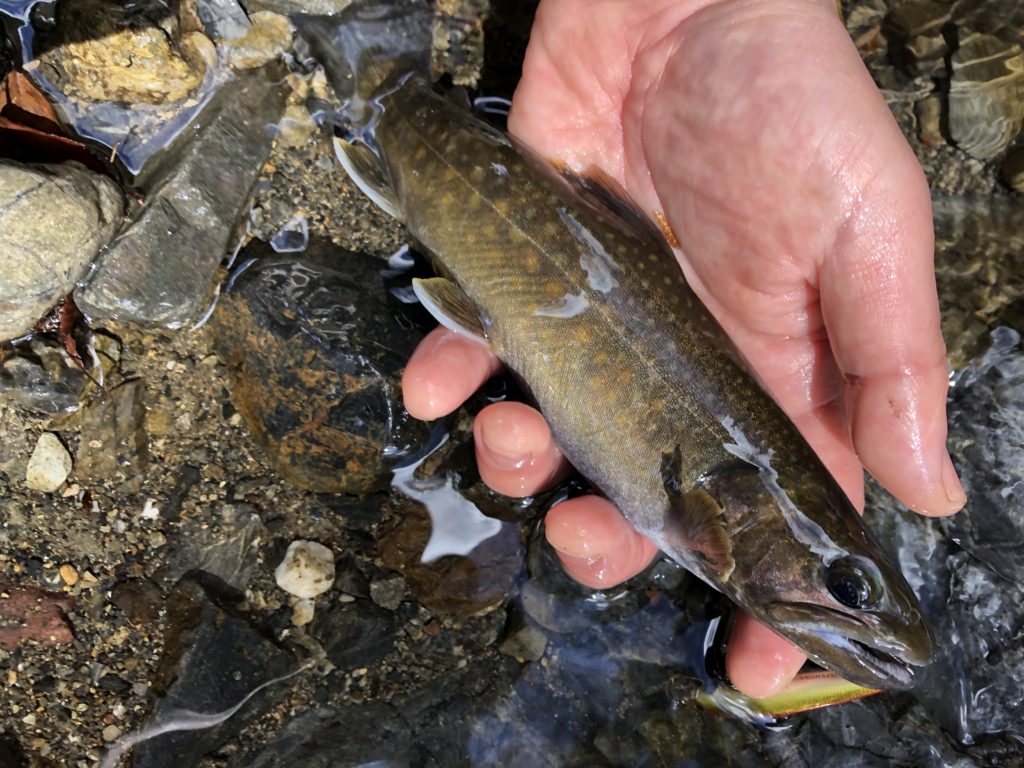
pixel 805 565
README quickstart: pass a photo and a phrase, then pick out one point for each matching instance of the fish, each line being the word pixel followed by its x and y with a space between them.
pixel 578 293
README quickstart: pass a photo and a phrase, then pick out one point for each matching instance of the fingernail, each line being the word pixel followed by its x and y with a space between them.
pixel 495 444
pixel 954 490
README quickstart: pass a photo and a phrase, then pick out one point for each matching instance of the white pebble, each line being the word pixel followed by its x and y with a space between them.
pixel 49 465
pixel 302 611
pixel 307 569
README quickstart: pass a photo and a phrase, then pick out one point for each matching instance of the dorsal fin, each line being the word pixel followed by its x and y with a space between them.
pixel 603 192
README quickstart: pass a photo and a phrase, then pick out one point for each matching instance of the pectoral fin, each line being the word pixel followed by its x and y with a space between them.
pixel 696 522
pixel 364 169
pixel 450 307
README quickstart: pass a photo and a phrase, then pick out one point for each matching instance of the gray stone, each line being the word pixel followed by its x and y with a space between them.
pixel 53 220
pixel 160 269
pixel 986 94
pixel 213 658
pixel 114 444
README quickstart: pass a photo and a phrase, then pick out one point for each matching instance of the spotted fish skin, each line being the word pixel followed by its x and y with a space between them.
pixel 581 297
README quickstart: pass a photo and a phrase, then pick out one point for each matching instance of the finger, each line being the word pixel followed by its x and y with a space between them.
pixel 445 369
pixel 514 450
pixel 758 661
pixel 881 309
pixel 596 545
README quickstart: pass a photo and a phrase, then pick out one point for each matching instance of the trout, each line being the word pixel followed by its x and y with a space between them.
pixel 579 295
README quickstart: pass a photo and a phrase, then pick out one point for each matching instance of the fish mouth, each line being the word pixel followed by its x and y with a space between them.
pixel 863 651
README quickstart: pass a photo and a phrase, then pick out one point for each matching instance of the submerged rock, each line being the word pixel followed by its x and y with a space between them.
pixel 128 76
pixel 40 375
pixel 160 270
pixel 314 348
pixel 53 220
pixel 986 94
pixel 213 658
pixel 465 585
pixel 101 50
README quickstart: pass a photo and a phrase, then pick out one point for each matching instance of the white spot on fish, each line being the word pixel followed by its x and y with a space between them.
pixel 595 260
pixel 569 305
pixel 500 169
pixel 807 532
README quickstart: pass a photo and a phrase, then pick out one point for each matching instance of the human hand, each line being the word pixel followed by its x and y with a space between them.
pixel 804 224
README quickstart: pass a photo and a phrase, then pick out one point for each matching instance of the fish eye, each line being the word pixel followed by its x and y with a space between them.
pixel 853 583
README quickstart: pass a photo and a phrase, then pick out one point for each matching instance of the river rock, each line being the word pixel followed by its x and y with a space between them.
pixel 130 77
pixel 213 657
pixel 29 613
pixel 53 220
pixel 269 36
pixel 107 51
pixel 49 465
pixel 114 445
pixel 465 585
pixel 39 375
pixel 307 569
pixel 314 346
pixel 986 94
pixel 1013 168
pixel 916 30
pixel 160 269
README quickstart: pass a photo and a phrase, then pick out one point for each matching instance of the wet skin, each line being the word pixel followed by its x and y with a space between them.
pixel 804 224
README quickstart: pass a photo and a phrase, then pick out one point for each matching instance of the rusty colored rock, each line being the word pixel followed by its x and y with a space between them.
pixel 29 613
pixel 314 348
pixel 22 102
pixel 106 51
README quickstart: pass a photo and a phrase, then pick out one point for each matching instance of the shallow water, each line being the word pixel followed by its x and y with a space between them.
pixel 554 674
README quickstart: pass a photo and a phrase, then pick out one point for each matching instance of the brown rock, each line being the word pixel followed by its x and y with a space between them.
pixel 465 586
pixel 29 613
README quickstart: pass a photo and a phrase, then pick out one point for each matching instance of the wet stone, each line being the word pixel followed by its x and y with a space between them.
pixel 161 267
pixel 355 634
pixel 40 376
pixel 458 47
pixel 436 725
pixel 916 31
pixel 213 657
pixel 222 19
pixel 129 77
pixel 463 585
pixel 121 54
pixel 41 256
pixel 269 36
pixel 114 445
pixel 314 348
pixel 140 599
pixel 986 94
pixel 1013 168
